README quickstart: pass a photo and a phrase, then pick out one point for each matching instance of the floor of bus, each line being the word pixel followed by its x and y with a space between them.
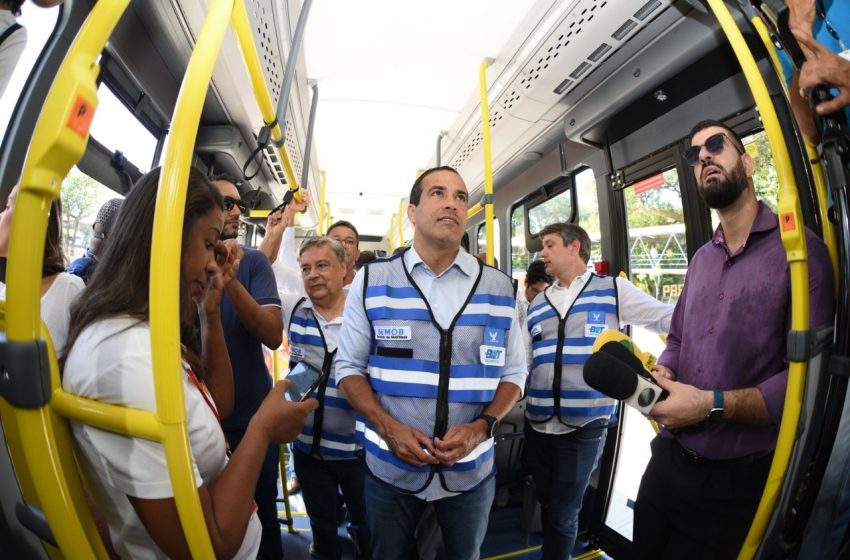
pixel 504 538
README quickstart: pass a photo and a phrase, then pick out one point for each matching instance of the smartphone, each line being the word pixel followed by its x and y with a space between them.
pixel 304 379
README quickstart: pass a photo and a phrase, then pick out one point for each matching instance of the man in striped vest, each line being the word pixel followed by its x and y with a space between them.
pixel 432 356
pixel 328 452
pixel 566 420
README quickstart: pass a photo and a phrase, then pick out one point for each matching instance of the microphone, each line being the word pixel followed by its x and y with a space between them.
pixel 613 335
pixel 626 356
pixel 619 380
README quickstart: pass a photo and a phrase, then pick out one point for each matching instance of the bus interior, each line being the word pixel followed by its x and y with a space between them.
pixel 583 116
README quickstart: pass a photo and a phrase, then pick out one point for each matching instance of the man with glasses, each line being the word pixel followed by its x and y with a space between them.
pixel 250 316
pixel 85 265
pixel 346 233
pixel 724 367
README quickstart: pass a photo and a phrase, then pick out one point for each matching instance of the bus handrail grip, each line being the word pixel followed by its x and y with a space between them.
pixel 245 39
pixel 165 272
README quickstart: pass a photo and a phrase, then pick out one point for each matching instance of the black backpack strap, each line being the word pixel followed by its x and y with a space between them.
pixel 9 30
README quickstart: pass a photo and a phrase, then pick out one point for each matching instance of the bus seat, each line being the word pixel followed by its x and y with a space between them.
pixel 54 484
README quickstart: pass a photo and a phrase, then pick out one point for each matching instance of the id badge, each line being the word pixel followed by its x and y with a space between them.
pixel 595 324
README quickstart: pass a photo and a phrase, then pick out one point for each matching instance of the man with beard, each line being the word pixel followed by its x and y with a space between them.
pixel 724 366
pixel 250 316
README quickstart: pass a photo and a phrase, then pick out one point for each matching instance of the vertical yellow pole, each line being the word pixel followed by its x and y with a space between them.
pixel 488 161
pixel 328 216
pixel 321 226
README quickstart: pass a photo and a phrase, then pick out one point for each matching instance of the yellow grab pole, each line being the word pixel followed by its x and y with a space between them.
pixel 165 274
pixel 38 440
pixel 327 216
pixel 245 38
pixel 488 160
pixel 829 237
pixel 794 241
pixel 400 220
pixel 320 229
pixel 474 210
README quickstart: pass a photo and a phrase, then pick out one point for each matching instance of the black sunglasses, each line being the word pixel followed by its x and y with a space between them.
pixel 229 203
pixel 714 145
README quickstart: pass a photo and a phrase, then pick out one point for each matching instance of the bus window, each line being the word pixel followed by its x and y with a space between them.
pixel 82 197
pixel 519 253
pixel 481 243
pixel 118 129
pixel 588 211
pixel 39 23
pixel 658 263
pixel 556 209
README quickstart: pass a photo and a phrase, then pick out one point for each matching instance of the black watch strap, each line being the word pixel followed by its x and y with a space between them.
pixel 492 422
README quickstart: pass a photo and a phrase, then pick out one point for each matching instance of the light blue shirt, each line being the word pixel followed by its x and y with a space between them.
pixel 446 294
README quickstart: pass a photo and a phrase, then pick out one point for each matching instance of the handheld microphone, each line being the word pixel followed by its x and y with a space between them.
pixel 620 381
pixel 626 356
pixel 613 335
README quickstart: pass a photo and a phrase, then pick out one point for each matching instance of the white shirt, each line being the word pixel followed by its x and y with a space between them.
pixel 287 272
pixel 111 362
pixel 56 307
pixel 11 49
pixel 634 307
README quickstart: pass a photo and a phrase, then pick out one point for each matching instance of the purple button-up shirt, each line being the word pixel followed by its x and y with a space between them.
pixel 730 327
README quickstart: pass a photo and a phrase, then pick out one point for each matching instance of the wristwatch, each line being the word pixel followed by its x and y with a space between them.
pixel 717 411
pixel 492 423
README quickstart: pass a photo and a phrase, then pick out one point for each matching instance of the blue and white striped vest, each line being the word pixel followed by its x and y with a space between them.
pixel 331 431
pixel 556 387
pixel 431 378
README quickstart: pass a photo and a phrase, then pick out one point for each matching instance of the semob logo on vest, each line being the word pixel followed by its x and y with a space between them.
pixel 492 355
pixel 397 332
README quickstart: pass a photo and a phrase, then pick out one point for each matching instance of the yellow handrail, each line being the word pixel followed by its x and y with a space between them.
pixel 320 227
pixel 474 210
pixel 328 216
pixel 165 274
pixel 39 440
pixel 245 38
pixel 794 241
pixel 488 161
pixel 829 237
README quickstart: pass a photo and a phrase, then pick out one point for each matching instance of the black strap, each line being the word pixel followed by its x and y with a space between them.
pixel 9 30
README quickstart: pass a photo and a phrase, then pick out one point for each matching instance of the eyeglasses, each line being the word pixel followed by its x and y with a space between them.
pixel 346 241
pixel 714 145
pixel 230 202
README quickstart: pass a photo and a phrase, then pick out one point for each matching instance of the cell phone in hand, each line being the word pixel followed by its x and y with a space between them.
pixel 304 379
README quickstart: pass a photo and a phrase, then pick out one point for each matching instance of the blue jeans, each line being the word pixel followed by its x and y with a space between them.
pixel 393 516
pixel 320 483
pixel 561 466
pixel 265 496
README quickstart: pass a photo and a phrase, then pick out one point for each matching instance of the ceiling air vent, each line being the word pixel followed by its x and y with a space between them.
pixel 623 30
pixel 647 9
pixel 601 51
pixel 562 87
pixel 581 69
